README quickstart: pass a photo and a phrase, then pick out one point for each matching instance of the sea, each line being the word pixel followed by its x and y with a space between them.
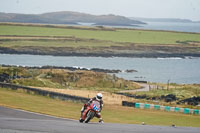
pixel 172 26
pixel 167 26
pixel 162 70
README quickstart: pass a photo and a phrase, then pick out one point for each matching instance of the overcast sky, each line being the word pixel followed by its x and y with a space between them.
pixel 186 9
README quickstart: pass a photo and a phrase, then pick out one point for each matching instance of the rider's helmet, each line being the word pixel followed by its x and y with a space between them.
pixel 99 96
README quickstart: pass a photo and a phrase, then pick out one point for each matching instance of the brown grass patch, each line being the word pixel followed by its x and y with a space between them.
pixel 108 98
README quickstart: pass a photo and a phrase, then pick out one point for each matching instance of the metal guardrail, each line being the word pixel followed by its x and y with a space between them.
pixel 51 94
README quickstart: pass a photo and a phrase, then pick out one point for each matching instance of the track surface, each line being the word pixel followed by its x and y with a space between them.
pixel 18 121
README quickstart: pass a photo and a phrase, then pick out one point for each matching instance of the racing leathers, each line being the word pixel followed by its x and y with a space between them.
pixel 98 115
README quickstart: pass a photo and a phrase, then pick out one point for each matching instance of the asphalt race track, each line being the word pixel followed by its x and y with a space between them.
pixel 18 121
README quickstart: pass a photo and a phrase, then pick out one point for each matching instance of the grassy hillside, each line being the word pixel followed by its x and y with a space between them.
pixel 66 79
pixel 67 17
pixel 82 82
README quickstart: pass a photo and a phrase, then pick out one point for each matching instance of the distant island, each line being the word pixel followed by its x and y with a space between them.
pixel 172 20
pixel 77 18
pixel 68 17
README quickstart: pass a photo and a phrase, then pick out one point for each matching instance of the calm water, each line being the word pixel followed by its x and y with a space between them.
pixel 149 69
pixel 172 26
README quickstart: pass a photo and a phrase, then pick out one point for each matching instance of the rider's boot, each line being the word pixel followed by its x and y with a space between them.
pixel 81 120
pixel 101 120
pixel 82 110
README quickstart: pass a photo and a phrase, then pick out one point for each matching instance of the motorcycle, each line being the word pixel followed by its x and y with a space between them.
pixel 90 112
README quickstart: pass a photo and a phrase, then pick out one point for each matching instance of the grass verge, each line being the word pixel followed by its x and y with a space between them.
pixel 111 113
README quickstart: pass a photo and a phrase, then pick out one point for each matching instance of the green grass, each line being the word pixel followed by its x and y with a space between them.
pixel 135 36
pixel 35 103
pixel 110 113
pixel 37 82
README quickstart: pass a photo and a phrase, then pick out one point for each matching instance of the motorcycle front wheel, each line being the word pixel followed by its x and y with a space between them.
pixel 90 115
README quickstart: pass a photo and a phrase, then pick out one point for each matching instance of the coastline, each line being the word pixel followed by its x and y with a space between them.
pixel 24 41
pixel 102 54
pixel 160 70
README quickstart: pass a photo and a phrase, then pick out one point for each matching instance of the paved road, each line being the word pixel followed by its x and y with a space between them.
pixel 144 87
pixel 17 121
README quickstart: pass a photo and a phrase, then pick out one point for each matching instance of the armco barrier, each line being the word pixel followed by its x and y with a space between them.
pixel 167 108
pixel 176 109
pixel 159 107
pixel 172 108
pixel 129 104
pixel 196 111
pixel 182 110
pixel 162 107
pixel 137 105
pixel 142 105
pixel 45 92
pixel 146 106
pixel 186 111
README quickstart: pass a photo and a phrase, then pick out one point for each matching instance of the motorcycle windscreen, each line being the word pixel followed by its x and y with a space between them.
pixel 96 106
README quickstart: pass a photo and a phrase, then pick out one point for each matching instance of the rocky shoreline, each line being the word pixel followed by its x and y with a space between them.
pixel 5 50
pixel 73 68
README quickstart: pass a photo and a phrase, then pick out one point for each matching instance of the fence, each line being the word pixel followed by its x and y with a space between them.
pixel 160 107
pixel 51 94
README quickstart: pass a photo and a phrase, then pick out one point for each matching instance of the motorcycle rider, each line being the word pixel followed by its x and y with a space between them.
pixel 97 98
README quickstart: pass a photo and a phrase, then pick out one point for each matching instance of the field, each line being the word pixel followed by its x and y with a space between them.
pixel 119 35
pixel 110 113
pixel 42 39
